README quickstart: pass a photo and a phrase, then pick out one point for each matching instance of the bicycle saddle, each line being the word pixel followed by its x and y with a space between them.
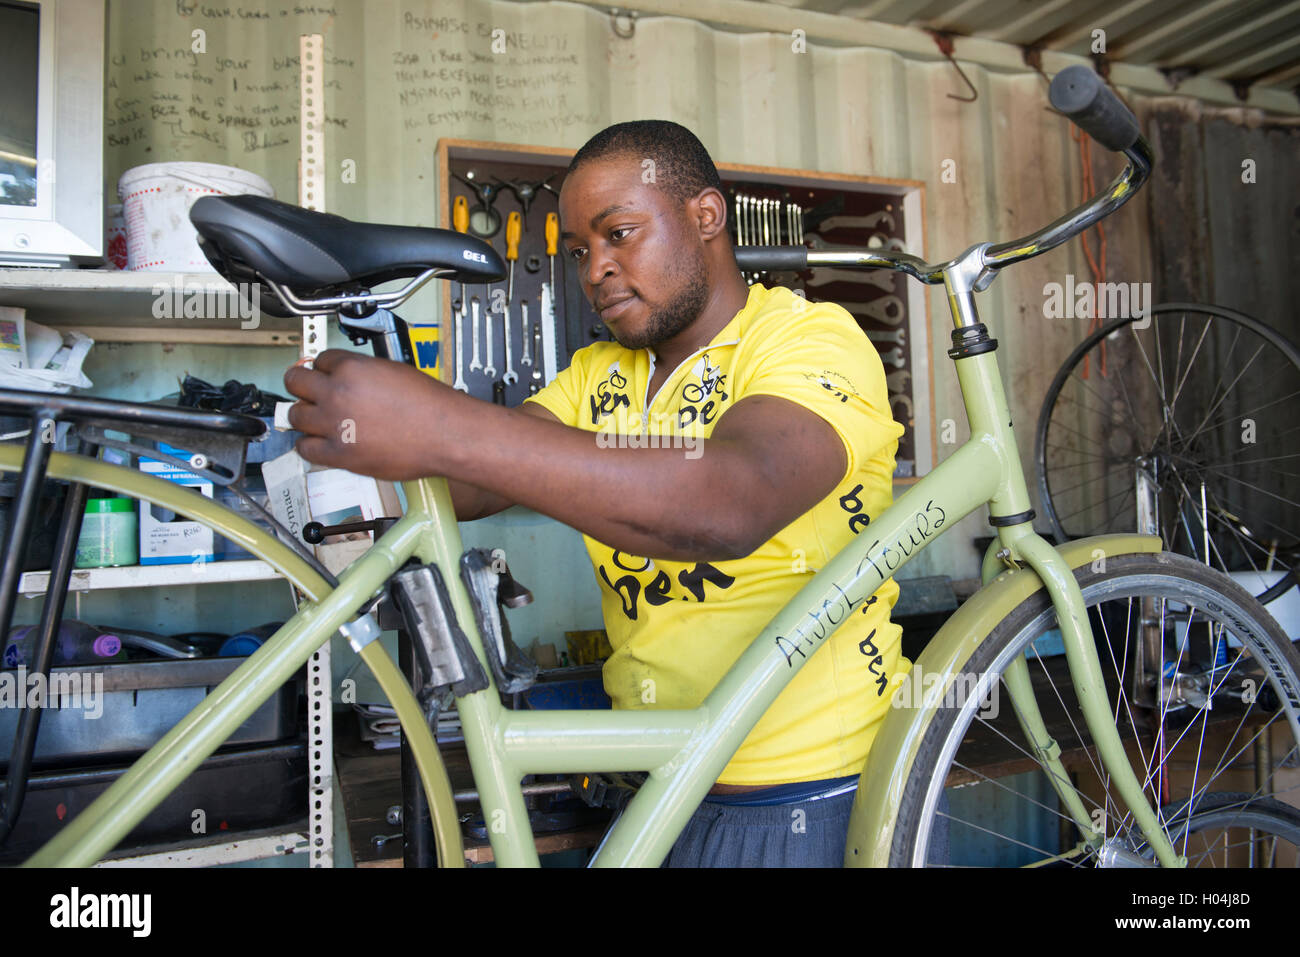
pixel 251 237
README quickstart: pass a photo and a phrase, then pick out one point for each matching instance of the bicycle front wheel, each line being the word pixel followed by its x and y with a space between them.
pixel 1204 687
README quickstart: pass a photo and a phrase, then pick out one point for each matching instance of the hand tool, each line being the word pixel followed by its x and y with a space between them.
pixel 475 364
pixel 880 278
pixel 513 222
pixel 898 397
pixel 898 336
pixel 489 367
pixel 526 192
pixel 886 309
pixel 510 377
pixel 484 221
pixel 537 354
pixel 881 241
pixel 459 384
pixel 857 222
pixel 552 240
pixel 897 381
pixel 894 357
pixel 527 357
pixel 460 219
pixel 549 344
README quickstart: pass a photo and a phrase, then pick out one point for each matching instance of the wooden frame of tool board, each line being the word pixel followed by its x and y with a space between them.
pixel 834 196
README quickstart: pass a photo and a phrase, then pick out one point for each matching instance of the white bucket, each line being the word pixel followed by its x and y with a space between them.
pixel 157 198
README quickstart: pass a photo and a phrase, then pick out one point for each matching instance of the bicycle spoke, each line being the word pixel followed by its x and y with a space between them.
pixel 1191 362
pixel 1005 837
pixel 1245 413
pixel 1198 429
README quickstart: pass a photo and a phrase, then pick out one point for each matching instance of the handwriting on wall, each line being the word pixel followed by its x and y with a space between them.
pixel 219 83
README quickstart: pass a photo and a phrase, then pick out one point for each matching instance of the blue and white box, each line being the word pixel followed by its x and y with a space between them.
pixel 165 537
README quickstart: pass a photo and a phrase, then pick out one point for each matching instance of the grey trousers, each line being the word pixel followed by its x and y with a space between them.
pixel 803 834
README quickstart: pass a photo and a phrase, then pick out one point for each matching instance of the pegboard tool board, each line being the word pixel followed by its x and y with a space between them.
pixel 766 206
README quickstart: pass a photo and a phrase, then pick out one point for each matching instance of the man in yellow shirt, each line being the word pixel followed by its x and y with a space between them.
pixel 717 454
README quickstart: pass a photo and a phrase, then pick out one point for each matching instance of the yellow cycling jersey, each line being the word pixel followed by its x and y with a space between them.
pixel 676 627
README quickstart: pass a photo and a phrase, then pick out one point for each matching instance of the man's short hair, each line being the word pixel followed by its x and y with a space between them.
pixel 682 166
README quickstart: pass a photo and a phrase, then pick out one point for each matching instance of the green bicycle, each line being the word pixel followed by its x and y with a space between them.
pixel 1165 734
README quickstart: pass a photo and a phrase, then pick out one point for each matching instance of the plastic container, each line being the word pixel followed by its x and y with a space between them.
pixel 77 643
pixel 248 641
pixel 110 534
pixel 156 199
pixel 115 238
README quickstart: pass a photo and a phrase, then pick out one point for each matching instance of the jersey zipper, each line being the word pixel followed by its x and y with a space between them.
pixel 645 413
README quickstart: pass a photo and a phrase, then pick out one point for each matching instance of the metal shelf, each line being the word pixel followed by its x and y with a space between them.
pixel 227 849
pixel 116 306
pixel 151 576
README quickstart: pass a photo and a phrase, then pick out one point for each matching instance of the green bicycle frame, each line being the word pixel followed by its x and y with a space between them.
pixel 684 751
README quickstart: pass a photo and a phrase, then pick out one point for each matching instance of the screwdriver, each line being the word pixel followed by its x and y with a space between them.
pixel 513 223
pixel 552 239
pixel 460 219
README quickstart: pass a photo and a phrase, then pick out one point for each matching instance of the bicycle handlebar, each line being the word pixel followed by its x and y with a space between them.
pixel 1082 96
pixel 1092 106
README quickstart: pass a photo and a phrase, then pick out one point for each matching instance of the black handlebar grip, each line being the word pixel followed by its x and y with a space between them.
pixel 1080 94
pixel 770 258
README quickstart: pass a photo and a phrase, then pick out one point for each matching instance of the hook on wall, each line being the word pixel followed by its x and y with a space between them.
pixel 944 42
pixel 620 31
pixel 1033 57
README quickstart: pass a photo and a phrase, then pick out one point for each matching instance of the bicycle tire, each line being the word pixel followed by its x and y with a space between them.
pixel 1177 582
pixel 1235 810
pixel 1249 494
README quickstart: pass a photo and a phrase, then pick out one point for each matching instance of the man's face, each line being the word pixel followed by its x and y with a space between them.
pixel 641 264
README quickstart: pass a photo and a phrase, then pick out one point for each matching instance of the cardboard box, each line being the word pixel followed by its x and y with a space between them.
pixel 331 497
pixel 165 537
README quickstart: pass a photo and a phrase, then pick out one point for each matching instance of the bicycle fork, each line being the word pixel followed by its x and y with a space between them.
pixel 1085 673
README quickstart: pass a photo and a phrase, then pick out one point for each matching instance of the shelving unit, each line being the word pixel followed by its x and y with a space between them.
pixel 151 307
pixel 37 583
pixel 249 846
pixel 115 306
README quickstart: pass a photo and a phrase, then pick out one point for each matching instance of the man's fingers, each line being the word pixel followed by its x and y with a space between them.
pixel 331 359
pixel 308 418
pixel 316 450
pixel 305 383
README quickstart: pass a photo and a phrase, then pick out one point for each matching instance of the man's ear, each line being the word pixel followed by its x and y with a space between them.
pixel 710 213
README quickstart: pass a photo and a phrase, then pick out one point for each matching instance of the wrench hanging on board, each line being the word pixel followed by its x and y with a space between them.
pixel 826 275
pixel 886 309
pixel 857 222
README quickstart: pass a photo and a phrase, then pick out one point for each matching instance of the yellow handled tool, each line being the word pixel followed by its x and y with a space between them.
pixel 552 241
pixel 460 219
pixel 514 223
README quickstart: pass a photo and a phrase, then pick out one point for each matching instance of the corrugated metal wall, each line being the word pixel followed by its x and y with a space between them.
pixel 403 74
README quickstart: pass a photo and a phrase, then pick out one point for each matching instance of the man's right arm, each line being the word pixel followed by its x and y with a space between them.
pixel 472 502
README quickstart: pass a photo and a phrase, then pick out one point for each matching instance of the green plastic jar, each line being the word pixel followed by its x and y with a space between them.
pixel 110 534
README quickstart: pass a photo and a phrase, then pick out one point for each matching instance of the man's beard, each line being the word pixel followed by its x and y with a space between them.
pixel 675 315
